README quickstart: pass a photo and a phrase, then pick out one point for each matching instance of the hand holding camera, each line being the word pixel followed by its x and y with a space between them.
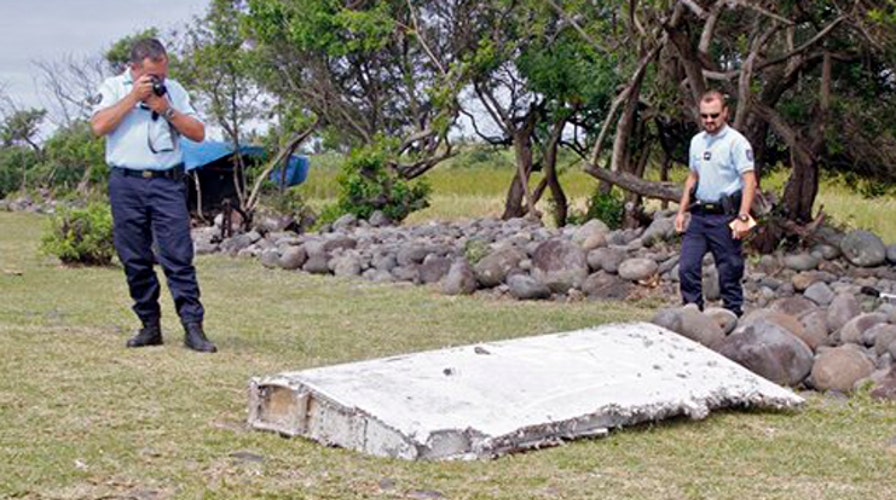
pixel 151 91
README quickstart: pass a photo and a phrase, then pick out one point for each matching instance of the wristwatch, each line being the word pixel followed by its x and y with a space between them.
pixel 168 114
pixel 743 217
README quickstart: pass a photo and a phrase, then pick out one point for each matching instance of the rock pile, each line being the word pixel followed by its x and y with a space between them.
pixel 807 322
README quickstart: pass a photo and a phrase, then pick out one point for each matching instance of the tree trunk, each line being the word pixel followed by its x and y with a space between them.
pixel 561 205
pixel 801 189
pixel 518 193
pixel 519 187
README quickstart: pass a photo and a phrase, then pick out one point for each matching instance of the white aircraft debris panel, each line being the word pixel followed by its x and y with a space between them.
pixel 492 398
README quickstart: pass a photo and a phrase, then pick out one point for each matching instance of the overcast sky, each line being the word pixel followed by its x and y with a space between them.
pixel 47 30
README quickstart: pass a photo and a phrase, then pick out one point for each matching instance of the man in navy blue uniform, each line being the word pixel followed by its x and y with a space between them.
pixel 142 114
pixel 718 193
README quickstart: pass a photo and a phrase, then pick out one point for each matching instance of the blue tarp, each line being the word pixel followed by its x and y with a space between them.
pixel 200 154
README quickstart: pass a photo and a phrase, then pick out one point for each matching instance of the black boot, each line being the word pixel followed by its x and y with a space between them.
pixel 195 338
pixel 150 334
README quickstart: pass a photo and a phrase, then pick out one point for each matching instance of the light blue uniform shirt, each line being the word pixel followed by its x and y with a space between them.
pixel 720 161
pixel 133 142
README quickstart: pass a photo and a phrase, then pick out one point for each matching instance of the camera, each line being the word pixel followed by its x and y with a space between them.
pixel 158 87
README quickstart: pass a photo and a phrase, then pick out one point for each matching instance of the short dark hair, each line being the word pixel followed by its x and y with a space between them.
pixel 147 48
pixel 712 95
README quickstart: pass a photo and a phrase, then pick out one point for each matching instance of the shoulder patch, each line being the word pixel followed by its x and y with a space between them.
pixel 749 153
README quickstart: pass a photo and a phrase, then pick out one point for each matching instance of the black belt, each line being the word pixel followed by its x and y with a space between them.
pixel 175 173
pixel 707 208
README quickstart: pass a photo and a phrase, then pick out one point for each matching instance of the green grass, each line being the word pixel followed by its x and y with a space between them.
pixel 474 184
pixel 83 417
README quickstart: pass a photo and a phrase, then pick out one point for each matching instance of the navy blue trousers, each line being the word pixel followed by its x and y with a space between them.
pixel 710 232
pixel 148 209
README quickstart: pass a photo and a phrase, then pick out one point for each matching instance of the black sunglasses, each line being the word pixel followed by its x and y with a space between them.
pixel 709 115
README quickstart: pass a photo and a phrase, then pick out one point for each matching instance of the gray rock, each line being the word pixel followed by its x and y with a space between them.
pixel 820 293
pixel 379 276
pixel 667 265
pixel 879 336
pixel 863 249
pixel 412 254
pixel 345 222
pixel 669 318
pixel 560 265
pixel 827 252
pixel 854 329
pixel 768 264
pixel 346 265
pixel 726 319
pixel 594 229
pixel 317 264
pixel 460 279
pixel 843 308
pixel 786 321
pixel 604 286
pixel 434 268
pixel 410 272
pixel 293 257
pixel 524 287
pixel 379 219
pixel 839 369
pixel 606 259
pixel 386 262
pixel 815 328
pixel 801 262
pixel 270 258
pixel 269 223
pixel 699 327
pixel 659 230
pixel 770 283
pixel 339 242
pixel 205 248
pixel 205 240
pixel 793 306
pixel 711 288
pixel 637 269
pixel 234 244
pixel 770 351
pixel 885 388
pixel 802 281
pixel 494 267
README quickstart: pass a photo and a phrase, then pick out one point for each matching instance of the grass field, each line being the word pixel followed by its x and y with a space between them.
pixel 83 417
pixel 474 185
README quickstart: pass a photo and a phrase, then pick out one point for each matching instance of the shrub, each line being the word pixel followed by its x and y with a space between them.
pixel 609 208
pixel 81 235
pixel 367 184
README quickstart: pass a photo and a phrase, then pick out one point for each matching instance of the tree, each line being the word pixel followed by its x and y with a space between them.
pixel 71 85
pixel 215 65
pixel 791 69
pixel 365 69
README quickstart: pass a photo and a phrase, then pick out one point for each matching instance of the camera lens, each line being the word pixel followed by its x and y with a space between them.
pixel 158 88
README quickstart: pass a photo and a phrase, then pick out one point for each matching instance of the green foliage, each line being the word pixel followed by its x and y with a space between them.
pixel 70 154
pixel 868 188
pixel 81 235
pixel 16 163
pixel 367 184
pixel 119 54
pixel 328 214
pixel 475 249
pixel 608 208
pixel 21 127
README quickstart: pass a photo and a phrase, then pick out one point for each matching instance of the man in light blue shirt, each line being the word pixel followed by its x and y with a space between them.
pixel 722 183
pixel 143 114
